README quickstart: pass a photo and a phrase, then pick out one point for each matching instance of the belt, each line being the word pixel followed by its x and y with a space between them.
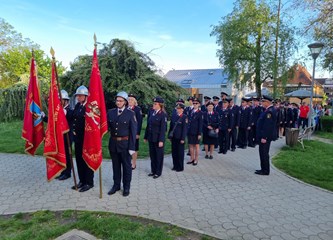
pixel 120 138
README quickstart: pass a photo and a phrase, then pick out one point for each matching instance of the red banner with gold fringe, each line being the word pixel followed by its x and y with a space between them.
pixel 54 148
pixel 33 129
pixel 95 119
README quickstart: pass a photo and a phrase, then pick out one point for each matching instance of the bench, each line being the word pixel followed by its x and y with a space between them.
pixel 306 133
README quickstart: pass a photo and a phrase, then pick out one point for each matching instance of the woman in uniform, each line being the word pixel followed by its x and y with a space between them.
pixel 210 123
pixel 194 131
pixel 133 105
pixel 155 135
pixel 177 134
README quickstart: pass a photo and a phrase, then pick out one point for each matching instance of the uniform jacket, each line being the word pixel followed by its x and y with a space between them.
pixel 266 125
pixel 180 131
pixel 245 117
pixel 195 123
pixel 210 120
pixel 256 114
pixel 236 112
pixel 79 121
pixel 225 119
pixel 122 125
pixel 138 114
pixel 156 127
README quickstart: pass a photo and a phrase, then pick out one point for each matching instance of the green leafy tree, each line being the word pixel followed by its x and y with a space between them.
pixel 15 56
pixel 318 24
pixel 247 38
pixel 122 69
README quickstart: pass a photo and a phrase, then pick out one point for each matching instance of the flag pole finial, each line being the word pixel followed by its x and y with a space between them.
pixel 95 40
pixel 52 52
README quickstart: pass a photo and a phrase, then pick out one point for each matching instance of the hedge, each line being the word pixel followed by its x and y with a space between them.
pixel 327 122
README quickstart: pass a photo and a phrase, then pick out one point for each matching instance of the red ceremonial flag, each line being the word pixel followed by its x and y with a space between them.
pixel 57 126
pixel 95 119
pixel 33 129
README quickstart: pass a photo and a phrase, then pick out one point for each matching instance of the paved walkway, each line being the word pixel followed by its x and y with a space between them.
pixel 220 197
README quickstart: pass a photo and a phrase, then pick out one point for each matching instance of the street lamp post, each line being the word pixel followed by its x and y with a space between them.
pixel 315 49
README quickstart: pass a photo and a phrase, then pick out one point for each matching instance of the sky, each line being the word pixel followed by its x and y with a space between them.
pixel 174 33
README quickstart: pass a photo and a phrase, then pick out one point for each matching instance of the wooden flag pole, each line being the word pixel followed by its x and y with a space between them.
pixel 100 168
pixel 66 134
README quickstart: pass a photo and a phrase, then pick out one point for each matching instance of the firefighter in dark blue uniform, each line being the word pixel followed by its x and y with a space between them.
pixel 86 175
pixel 224 96
pixel 265 133
pixel 203 106
pixel 174 111
pixel 216 103
pixel 225 123
pixel 122 125
pixel 194 131
pixel 235 109
pixel 244 124
pixel 189 108
pixel 177 134
pixel 155 135
pixel 68 147
pixel 133 105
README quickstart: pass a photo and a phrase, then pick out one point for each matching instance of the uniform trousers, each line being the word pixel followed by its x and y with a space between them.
pixel 86 175
pixel 121 159
pixel 243 136
pixel 156 154
pixel 223 140
pixel 264 156
pixel 68 169
pixel 233 137
pixel 251 138
pixel 177 154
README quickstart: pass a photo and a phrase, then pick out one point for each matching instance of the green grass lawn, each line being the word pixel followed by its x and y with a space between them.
pixel 327 135
pixel 11 141
pixel 313 165
pixel 50 225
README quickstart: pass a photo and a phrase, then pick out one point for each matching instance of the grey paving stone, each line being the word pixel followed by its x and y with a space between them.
pixel 221 197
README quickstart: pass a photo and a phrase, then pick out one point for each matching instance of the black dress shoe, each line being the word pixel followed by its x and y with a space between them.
pixel 210 157
pixel 156 176
pixel 173 169
pixel 85 188
pixel 220 152
pixel 258 171
pixel 126 193
pixel 261 173
pixel 151 174
pixel 63 177
pixel 80 185
pixel 113 190
pixel 195 163
pixel 190 162
pixel 133 168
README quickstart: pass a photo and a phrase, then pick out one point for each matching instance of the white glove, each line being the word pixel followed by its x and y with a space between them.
pixel 131 152
pixel 42 114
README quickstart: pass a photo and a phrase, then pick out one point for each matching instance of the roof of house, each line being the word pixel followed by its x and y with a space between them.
pixel 198 78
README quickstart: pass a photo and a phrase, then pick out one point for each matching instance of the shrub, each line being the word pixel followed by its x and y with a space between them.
pixel 327 122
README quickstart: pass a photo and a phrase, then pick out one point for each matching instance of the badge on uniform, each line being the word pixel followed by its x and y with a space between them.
pixel 269 115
